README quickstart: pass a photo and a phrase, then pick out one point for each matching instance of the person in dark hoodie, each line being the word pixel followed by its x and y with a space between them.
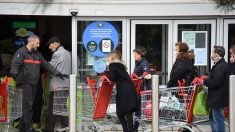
pixel 232 58
pixel 126 94
pixel 218 89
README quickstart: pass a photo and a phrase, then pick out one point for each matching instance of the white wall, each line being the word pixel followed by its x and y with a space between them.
pixel 112 8
pixel 107 1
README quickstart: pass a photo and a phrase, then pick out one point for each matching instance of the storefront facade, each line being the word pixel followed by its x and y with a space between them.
pixel 156 25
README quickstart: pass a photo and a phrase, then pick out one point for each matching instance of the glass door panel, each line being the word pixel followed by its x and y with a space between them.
pixel 154 36
pixel 85 62
pixel 193 26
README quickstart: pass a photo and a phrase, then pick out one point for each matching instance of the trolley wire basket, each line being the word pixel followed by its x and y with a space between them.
pixel 60 101
pixel 10 104
pixel 92 103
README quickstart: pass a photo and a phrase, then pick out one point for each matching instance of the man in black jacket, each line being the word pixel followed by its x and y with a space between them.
pixel 218 89
pixel 26 65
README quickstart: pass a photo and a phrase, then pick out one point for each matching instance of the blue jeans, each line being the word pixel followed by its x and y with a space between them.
pixel 217 120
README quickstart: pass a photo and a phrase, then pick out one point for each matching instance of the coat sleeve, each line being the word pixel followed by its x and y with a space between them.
pixel 216 79
pixel 112 73
pixel 56 59
pixel 17 61
pixel 47 66
pixel 177 73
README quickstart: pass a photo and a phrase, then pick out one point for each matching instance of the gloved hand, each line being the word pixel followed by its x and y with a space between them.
pixel 202 79
pixel 62 76
pixel 15 75
pixel 148 76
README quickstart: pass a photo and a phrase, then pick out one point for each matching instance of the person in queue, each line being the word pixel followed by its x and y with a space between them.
pixel 141 66
pixel 232 58
pixel 218 89
pixel 126 94
pixel 182 67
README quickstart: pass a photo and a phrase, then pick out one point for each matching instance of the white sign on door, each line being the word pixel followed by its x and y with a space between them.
pixel 106 45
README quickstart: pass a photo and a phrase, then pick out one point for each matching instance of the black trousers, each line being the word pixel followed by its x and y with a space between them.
pixel 51 119
pixel 137 114
pixel 127 122
pixel 37 107
pixel 29 92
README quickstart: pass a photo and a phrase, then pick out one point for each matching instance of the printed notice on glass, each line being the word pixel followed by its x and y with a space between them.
pixel 197 42
pixel 100 38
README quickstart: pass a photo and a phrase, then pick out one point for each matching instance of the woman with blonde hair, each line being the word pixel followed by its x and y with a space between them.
pixel 126 94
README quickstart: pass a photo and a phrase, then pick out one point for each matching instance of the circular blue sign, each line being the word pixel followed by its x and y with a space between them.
pixel 99 66
pixel 100 38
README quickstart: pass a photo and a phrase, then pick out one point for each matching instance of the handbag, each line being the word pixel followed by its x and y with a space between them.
pixel 200 108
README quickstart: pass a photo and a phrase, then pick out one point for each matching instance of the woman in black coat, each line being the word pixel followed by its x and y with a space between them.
pixel 126 94
pixel 182 68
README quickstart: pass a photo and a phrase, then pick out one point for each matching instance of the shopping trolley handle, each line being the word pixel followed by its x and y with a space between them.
pixel 134 76
pixel 145 92
pixel 105 78
pixel 181 83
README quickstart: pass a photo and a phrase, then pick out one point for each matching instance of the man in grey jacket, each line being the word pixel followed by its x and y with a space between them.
pixel 61 60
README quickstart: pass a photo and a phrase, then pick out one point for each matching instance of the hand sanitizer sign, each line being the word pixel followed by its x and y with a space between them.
pixel 100 38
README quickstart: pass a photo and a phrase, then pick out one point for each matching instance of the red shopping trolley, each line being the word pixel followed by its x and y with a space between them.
pixel 10 102
pixel 175 106
pixel 101 91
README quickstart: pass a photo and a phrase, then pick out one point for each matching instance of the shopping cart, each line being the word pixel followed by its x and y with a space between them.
pixel 10 104
pixel 93 102
pixel 60 104
pixel 175 107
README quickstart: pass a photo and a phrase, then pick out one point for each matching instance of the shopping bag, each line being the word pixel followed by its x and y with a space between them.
pixel 200 108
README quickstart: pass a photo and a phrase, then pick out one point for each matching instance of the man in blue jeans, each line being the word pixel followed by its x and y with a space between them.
pixel 218 89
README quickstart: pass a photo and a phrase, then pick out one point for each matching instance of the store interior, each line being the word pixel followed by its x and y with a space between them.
pixel 14 31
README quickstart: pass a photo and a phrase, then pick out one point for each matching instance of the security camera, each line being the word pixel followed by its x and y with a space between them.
pixel 73 12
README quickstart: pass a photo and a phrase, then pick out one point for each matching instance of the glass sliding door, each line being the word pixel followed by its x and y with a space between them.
pixel 154 35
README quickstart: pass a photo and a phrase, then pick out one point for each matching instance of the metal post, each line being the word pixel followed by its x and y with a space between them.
pixel 155 105
pixel 72 106
pixel 231 103
pixel 74 45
